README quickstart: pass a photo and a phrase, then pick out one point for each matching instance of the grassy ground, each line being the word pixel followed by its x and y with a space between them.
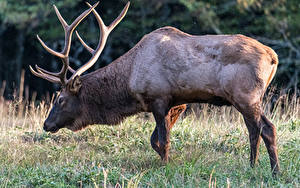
pixel 209 149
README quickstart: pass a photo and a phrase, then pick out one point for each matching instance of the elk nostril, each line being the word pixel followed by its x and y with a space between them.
pixel 48 126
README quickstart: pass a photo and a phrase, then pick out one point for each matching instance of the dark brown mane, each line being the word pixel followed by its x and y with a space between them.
pixel 106 92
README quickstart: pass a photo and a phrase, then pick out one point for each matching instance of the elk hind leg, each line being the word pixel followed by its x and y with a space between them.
pixel 259 126
pixel 268 133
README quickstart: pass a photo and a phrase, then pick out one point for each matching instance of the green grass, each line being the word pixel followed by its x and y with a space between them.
pixel 209 148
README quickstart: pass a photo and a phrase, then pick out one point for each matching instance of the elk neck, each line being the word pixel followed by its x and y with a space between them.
pixel 105 94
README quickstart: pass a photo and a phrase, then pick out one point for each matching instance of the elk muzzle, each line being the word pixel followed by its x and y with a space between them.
pixel 50 127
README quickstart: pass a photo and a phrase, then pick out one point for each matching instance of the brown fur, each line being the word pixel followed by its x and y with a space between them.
pixel 106 97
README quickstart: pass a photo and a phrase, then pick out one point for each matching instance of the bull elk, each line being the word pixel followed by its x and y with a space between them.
pixel 165 70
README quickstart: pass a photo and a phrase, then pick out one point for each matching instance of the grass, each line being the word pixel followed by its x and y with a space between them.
pixel 209 148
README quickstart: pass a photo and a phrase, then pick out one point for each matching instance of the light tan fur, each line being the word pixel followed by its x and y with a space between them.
pixel 170 62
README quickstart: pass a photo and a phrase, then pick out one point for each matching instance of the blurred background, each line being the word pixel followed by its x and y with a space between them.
pixel 274 23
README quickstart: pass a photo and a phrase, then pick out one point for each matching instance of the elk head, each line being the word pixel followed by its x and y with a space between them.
pixel 66 110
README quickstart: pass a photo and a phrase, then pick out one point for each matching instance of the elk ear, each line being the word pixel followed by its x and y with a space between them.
pixel 74 85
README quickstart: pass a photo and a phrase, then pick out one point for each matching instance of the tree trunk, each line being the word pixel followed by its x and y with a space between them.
pixel 19 57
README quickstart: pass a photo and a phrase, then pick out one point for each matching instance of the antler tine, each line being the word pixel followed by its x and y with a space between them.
pixel 49 49
pixel 119 18
pixel 51 73
pixel 91 50
pixel 104 32
pixel 71 70
pixel 99 19
pixel 39 69
pixel 45 76
pixel 61 19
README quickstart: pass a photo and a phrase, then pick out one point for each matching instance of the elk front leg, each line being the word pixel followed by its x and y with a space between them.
pixel 154 141
pixel 160 138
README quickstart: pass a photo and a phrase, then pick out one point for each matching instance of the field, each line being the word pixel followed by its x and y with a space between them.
pixel 209 148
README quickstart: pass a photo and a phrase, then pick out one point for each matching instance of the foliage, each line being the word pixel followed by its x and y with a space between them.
pixel 25 14
pixel 274 23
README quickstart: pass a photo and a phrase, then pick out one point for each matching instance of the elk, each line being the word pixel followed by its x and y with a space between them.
pixel 165 70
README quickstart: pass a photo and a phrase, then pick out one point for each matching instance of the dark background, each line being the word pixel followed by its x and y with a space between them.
pixel 274 23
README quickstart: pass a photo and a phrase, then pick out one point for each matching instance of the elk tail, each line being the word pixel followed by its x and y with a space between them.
pixel 273 56
pixel 274 62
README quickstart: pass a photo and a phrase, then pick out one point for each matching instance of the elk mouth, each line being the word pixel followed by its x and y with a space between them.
pixel 55 130
pixel 52 129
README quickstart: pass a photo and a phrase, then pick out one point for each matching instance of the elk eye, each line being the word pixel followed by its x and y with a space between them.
pixel 60 100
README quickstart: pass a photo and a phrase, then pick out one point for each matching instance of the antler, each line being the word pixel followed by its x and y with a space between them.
pixel 60 77
pixel 104 33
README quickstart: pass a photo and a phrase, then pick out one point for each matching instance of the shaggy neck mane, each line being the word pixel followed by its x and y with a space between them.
pixel 106 95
